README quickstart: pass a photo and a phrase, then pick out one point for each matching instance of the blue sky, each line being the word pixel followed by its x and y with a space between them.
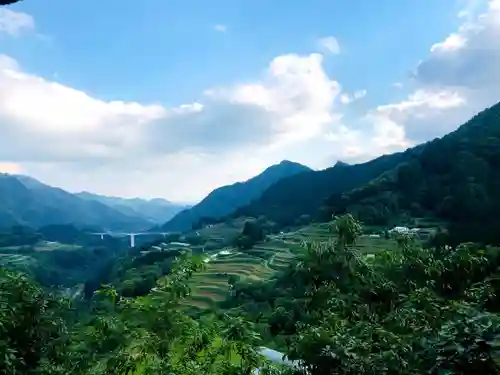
pixel 168 51
pixel 375 94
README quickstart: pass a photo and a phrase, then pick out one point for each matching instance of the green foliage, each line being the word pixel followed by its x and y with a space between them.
pixel 18 236
pixel 406 311
pixel 151 334
pixel 144 335
pixel 32 329
pixel 335 310
pixel 194 239
pixel 253 232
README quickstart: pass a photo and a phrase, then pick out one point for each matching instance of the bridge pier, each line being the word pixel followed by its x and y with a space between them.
pixel 131 235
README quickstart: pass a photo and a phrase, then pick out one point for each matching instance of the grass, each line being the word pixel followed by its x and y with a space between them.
pixel 51 246
pixel 15 259
pixel 42 246
pixel 222 231
pixel 365 244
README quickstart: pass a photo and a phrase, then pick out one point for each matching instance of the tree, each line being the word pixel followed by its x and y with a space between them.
pixel 8 2
pixel 253 232
pixel 404 311
pixel 32 325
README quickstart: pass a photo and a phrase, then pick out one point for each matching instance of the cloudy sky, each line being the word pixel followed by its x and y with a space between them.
pixel 171 98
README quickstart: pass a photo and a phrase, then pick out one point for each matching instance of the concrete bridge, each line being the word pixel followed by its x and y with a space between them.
pixel 130 235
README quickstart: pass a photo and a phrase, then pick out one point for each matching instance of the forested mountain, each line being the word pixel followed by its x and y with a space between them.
pixel 305 193
pixel 157 210
pixel 226 199
pixel 456 178
pixel 26 201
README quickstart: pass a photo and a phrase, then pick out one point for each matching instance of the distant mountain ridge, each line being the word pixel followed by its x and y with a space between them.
pixel 304 194
pixel 226 199
pixel 27 201
pixel 156 210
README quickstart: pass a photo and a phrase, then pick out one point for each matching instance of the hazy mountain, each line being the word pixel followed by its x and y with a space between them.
pixel 226 199
pixel 156 210
pixel 26 201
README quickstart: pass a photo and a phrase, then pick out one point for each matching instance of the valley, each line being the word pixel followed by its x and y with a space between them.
pixel 389 262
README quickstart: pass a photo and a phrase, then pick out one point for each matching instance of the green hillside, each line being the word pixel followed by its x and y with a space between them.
pixel 226 199
pixel 286 201
pixel 455 178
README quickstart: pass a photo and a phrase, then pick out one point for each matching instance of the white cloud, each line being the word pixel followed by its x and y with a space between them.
pixel 459 78
pixel 15 23
pixel 349 98
pixel 53 131
pixel 221 28
pixel 469 58
pixel 345 98
pixel 453 42
pixel 296 94
pixel 360 94
pixel 423 115
pixel 329 44
pixel 69 138
pixel 469 9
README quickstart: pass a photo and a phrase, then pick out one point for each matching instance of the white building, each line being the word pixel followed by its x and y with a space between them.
pixel 399 230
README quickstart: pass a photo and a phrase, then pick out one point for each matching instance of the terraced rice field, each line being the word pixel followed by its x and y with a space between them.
pixel 262 261
pixel 15 259
pixel 211 285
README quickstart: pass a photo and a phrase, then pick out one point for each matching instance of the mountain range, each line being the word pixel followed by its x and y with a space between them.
pixel 29 202
pixel 156 211
pixel 304 194
pixel 455 178
pixel 225 200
